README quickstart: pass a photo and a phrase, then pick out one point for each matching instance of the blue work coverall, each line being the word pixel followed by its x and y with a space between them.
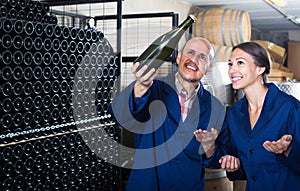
pixel 177 159
pixel 264 170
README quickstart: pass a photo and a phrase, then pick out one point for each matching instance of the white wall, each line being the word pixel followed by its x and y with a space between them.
pixel 154 6
pixel 294 35
pixel 136 36
pixel 157 6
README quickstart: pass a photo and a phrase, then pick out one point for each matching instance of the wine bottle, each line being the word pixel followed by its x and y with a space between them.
pixel 17 42
pixel 161 48
pixel 18 26
pixel 47 58
pixel 3 11
pixel 28 73
pixel 7 41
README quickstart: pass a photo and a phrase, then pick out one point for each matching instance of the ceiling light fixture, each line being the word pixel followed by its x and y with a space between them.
pixel 91 23
pixel 294 19
pixel 276 4
pixel 297 19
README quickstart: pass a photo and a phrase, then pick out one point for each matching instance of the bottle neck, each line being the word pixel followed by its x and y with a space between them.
pixel 187 22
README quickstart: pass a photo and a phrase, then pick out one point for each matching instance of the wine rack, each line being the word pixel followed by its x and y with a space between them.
pixel 55 86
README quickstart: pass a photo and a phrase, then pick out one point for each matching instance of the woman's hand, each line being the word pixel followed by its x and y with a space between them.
pixel 229 163
pixel 282 145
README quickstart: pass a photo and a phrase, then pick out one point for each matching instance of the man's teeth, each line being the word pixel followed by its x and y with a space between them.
pixel 190 67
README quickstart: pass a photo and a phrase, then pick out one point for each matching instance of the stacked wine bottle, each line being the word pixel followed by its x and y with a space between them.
pixel 53 79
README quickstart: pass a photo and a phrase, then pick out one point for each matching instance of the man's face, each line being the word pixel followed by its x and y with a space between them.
pixel 193 60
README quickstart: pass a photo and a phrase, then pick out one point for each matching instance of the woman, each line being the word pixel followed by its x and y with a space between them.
pixel 261 132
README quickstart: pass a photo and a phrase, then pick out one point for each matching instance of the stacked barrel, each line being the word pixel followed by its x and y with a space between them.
pixel 224 28
pixel 55 86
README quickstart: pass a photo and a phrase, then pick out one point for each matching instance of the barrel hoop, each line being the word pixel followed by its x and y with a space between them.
pixel 236 29
pixel 202 24
pixel 194 30
pixel 223 26
pixel 230 29
pixel 218 50
pixel 225 52
pixel 241 25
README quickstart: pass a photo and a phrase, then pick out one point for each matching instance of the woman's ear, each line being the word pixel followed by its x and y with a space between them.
pixel 261 70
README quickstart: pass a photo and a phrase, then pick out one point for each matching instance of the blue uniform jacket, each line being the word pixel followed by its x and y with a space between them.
pixel 264 170
pixel 177 161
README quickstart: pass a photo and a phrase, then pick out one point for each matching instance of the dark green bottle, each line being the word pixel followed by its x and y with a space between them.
pixel 161 49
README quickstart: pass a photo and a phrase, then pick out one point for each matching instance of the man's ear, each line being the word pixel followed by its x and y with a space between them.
pixel 178 57
pixel 208 69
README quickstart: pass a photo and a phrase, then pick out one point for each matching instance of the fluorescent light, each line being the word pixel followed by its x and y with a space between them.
pixel 279 3
pixel 294 19
pixel 297 19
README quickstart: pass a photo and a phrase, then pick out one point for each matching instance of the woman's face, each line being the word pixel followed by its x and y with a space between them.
pixel 193 60
pixel 242 70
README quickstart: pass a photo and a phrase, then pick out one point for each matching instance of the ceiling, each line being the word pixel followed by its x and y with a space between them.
pixel 264 17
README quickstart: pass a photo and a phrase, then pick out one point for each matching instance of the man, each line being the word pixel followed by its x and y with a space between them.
pixel 163 113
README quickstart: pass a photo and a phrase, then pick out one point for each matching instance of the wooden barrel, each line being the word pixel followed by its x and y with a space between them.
pixel 227 27
pixel 222 53
pixel 216 180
